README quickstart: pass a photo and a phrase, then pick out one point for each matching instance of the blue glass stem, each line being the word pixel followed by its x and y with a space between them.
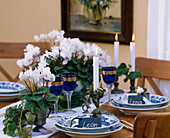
pixel 68 95
pixel 56 105
pixel 109 86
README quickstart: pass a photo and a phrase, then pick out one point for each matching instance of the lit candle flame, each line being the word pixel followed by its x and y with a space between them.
pixel 116 37
pixel 133 37
pixel 96 51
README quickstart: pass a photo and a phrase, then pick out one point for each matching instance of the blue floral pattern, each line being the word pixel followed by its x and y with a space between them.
pixel 106 120
pixel 153 99
pixel 11 86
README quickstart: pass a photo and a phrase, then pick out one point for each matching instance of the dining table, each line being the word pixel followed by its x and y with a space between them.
pixel 123 133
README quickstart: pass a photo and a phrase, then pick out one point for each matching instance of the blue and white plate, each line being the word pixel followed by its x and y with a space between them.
pixel 155 100
pixel 136 110
pixel 89 134
pixel 10 87
pixel 10 90
pixel 107 122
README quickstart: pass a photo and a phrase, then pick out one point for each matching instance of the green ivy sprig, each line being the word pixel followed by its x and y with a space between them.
pixel 17 120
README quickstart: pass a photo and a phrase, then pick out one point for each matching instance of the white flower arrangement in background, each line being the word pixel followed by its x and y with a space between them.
pixel 65 55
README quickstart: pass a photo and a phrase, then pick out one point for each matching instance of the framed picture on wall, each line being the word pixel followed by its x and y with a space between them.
pixel 98 20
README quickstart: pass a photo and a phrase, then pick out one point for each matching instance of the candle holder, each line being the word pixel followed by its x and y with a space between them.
pixel 132 86
pixel 116 90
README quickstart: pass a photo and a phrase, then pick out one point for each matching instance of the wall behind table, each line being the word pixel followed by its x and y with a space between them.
pixel 20 20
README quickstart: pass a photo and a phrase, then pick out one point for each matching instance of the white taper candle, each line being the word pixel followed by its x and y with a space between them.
pixel 95 72
pixel 132 53
pixel 116 51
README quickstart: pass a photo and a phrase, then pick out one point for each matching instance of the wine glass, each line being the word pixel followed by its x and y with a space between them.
pixel 69 82
pixel 56 89
pixel 109 76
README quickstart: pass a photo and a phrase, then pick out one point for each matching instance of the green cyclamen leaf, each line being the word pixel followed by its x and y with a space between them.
pixel 43 104
pixel 56 68
pixel 74 60
pixel 36 110
pixel 71 68
pixel 41 90
pixel 84 82
pixel 49 61
pixel 30 105
pixel 51 97
pixel 25 92
pixel 82 75
pixel 36 97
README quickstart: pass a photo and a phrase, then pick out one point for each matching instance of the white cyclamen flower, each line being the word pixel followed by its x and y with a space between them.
pixel 43 36
pixel 55 52
pixel 29 48
pixel 52 34
pixel 59 35
pixel 46 74
pixel 22 76
pixel 37 38
pixel 140 90
pixel 20 63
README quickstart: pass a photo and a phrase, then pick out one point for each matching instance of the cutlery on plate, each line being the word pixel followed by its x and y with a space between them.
pixel 130 127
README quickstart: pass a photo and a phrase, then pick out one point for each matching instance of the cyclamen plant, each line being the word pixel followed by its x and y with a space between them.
pixel 37 80
pixel 66 55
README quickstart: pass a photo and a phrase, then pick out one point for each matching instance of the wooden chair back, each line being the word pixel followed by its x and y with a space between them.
pixel 15 50
pixel 152 125
pixel 152 68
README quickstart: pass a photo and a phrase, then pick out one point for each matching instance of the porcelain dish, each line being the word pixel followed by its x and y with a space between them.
pixel 95 134
pixel 134 111
pixel 10 90
pixel 107 122
pixel 155 100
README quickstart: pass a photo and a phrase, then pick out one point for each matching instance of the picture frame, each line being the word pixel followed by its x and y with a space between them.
pixel 126 25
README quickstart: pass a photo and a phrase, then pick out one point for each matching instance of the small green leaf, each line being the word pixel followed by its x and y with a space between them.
pixel 56 68
pixel 30 118
pixel 49 61
pixel 71 68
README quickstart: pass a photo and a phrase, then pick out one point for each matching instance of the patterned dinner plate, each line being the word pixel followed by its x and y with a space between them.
pixel 94 134
pixel 155 100
pixel 107 122
pixel 135 111
pixel 10 88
